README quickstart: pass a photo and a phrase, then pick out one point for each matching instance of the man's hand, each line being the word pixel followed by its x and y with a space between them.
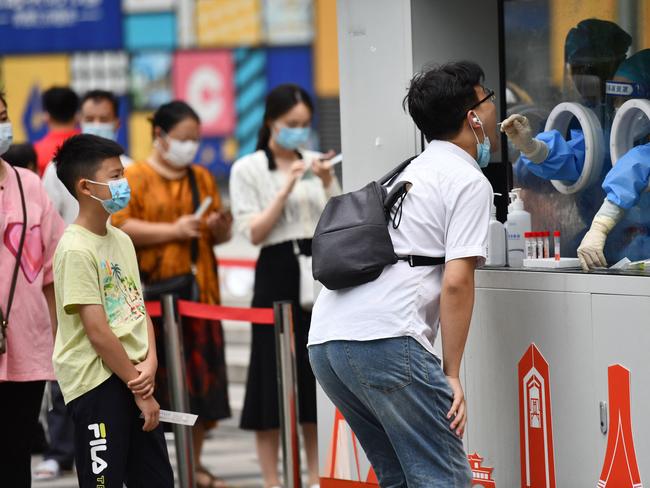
pixel 145 383
pixel 458 408
pixel 150 410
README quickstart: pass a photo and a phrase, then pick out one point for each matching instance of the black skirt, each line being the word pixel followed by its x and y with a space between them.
pixel 277 277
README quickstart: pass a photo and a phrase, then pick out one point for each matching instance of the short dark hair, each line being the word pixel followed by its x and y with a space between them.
pixel 439 97
pixel 21 155
pixel 278 102
pixel 61 103
pixel 80 156
pixel 101 95
pixel 170 114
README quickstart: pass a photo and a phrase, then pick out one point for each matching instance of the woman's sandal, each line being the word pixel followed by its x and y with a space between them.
pixel 213 481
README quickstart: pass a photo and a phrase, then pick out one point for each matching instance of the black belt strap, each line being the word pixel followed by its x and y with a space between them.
pixel 421 260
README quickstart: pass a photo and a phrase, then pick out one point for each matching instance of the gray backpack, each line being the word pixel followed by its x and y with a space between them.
pixel 351 244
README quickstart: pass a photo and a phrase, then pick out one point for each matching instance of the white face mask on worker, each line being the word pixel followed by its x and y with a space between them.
pixel 180 153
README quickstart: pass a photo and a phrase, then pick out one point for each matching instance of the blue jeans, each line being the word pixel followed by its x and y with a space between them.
pixel 395 397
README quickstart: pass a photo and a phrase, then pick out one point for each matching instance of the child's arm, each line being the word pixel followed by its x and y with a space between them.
pixel 112 352
pixel 144 384
pixel 48 291
pixel 106 343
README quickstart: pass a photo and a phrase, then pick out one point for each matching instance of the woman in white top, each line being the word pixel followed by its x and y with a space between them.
pixel 277 195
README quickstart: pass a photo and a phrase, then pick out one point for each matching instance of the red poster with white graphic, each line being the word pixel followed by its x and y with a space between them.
pixel 204 79
pixel 535 424
pixel 343 464
pixel 620 469
pixel 481 475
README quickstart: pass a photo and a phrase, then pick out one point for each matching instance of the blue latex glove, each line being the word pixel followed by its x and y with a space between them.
pixel 565 159
pixel 626 182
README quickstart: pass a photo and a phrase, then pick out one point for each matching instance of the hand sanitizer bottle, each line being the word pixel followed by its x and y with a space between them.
pixel 496 253
pixel 517 225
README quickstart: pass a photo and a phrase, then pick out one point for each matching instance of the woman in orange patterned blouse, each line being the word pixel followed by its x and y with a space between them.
pixel 161 222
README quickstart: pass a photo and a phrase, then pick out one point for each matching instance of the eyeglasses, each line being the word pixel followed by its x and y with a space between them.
pixel 491 96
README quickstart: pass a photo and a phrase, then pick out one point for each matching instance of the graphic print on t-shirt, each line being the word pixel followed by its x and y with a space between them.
pixel 31 261
pixel 121 295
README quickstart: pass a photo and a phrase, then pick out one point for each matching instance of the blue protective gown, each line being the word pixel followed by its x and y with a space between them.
pixel 624 185
pixel 565 159
pixel 626 182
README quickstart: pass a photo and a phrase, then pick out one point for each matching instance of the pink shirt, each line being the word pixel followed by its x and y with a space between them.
pixel 29 334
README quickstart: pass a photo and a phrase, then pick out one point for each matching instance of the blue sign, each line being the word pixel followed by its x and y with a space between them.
pixel 38 26
pixel 210 155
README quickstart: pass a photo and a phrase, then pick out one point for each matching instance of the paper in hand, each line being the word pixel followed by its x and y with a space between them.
pixel 179 418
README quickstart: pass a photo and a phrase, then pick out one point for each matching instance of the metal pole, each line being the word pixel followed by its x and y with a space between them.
pixel 287 393
pixel 177 392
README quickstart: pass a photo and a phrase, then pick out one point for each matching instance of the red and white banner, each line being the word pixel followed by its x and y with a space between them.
pixel 620 469
pixel 535 425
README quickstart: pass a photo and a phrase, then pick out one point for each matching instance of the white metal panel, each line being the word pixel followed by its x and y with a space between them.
pixel 376 65
pixel 505 323
pixel 622 335
pixel 577 282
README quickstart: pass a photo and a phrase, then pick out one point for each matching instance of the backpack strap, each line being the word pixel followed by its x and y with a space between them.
pixel 388 178
pixel 416 261
pixel 398 192
pixel 4 316
pixel 194 243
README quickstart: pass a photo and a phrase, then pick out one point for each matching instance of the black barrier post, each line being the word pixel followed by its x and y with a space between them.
pixel 178 393
pixel 287 393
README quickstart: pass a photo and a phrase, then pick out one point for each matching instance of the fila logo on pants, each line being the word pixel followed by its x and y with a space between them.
pixel 96 446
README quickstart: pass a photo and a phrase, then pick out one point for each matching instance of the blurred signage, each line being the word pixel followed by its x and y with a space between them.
pixel 205 80
pixel 28 26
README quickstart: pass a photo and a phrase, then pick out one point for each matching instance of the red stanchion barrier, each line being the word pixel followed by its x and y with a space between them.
pixel 216 312
pixel 153 309
pixel 281 318
pixel 237 263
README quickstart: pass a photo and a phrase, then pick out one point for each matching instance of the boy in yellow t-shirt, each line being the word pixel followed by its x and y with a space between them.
pixel 104 353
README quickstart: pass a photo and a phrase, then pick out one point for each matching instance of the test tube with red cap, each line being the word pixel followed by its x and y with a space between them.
pixel 556 244
pixel 547 244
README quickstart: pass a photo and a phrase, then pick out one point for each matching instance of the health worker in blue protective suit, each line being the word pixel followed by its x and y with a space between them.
pixel 627 181
pixel 593 50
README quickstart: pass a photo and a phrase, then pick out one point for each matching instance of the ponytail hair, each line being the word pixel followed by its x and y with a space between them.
pixel 279 101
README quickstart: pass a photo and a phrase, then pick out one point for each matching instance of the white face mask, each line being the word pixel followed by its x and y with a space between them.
pixel 6 136
pixel 180 153
pixel 101 129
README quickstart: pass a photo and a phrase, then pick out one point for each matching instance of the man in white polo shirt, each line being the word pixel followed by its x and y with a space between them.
pixel 371 346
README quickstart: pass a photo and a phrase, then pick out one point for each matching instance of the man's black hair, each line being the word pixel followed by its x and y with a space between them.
pixel 80 157
pixel 101 95
pixel 439 98
pixel 22 155
pixel 61 103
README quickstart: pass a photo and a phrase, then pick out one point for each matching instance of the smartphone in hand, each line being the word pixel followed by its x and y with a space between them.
pixel 205 204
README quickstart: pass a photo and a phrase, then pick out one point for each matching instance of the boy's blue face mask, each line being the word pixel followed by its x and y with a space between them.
pixel 482 148
pixel 293 137
pixel 120 195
